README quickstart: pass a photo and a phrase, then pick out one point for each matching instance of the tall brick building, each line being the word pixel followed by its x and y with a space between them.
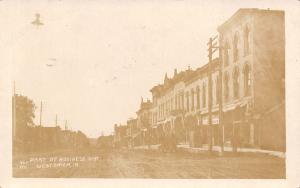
pixel 252 89
pixel 253 77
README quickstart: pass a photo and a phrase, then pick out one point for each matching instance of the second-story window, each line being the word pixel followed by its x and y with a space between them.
pixel 182 101
pixel 226 86
pixel 226 54
pixel 204 95
pixel 192 99
pixel 176 102
pixel 187 101
pixel 246 41
pixel 198 97
pixel 217 90
pixel 166 108
pixel 160 111
pixel 236 47
pixel 236 83
pixel 247 80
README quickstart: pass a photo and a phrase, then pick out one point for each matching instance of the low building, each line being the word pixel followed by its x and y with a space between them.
pixel 105 142
pixel 144 121
pixel 120 136
pixel 134 133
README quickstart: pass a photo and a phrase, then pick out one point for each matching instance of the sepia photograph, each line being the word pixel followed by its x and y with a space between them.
pixel 147 89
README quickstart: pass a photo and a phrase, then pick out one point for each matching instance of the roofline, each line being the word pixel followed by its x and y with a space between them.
pixel 202 70
pixel 196 73
pixel 244 11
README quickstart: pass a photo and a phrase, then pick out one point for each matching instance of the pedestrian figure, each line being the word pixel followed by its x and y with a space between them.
pixel 163 143
pixel 233 139
pixel 173 142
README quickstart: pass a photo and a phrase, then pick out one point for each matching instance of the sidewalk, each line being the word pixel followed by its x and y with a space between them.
pixel 228 149
pixel 154 147
pixel 186 147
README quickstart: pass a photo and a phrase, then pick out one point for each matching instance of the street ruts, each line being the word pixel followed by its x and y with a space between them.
pixel 158 165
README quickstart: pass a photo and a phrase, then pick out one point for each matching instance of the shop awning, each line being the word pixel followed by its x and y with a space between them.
pixel 136 134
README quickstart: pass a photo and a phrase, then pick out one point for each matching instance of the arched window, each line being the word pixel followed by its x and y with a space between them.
pixel 247 80
pixel 246 40
pixel 235 82
pixel 187 101
pixel 204 95
pixel 176 97
pixel 198 97
pixel 182 101
pixel 217 90
pixel 226 54
pixel 159 111
pixel 214 87
pixel 226 86
pixel 235 47
pixel 193 99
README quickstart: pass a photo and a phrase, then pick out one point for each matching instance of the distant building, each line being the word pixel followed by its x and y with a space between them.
pixel 40 138
pixel 134 133
pixel 120 136
pixel 144 121
pixel 105 142
pixel 180 105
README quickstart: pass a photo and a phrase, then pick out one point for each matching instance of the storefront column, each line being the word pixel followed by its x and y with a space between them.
pixel 251 141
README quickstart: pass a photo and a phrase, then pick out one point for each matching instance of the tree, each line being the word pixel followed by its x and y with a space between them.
pixel 23 111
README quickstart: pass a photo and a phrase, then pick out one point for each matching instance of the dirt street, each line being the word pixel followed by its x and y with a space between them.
pixel 147 164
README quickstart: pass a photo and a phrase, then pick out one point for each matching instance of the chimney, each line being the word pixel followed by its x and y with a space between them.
pixel 175 72
pixel 166 78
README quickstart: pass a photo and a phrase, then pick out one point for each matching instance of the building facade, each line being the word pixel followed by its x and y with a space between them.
pixel 120 139
pixel 253 77
pixel 248 78
pixel 144 121
pixel 134 133
pixel 181 103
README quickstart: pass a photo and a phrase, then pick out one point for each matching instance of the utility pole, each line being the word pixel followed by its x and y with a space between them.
pixel 41 112
pixel 66 127
pixel 213 48
pixel 220 94
pixel 14 111
pixel 211 44
pixel 56 120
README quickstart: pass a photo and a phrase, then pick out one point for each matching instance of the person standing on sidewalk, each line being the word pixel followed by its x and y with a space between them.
pixel 173 142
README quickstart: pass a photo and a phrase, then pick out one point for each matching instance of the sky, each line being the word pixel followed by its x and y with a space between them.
pixel 105 55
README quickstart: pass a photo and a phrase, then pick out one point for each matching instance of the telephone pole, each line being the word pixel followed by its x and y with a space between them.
pixel 14 110
pixel 41 112
pixel 66 127
pixel 220 94
pixel 213 48
pixel 56 120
